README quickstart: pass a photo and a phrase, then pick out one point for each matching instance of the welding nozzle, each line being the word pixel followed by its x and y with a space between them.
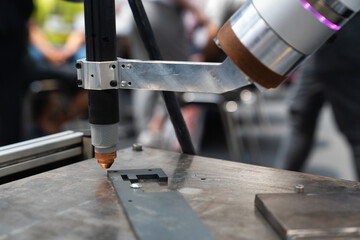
pixel 105 159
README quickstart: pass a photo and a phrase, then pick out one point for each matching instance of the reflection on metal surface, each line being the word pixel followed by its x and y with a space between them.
pixel 323 13
pixel 254 33
pixel 135 185
pixel 312 215
pixel 156 215
pixel 335 12
pixel 164 76
pixel 182 165
pixel 339 8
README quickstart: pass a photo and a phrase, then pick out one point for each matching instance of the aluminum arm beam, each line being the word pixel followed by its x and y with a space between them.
pixel 161 76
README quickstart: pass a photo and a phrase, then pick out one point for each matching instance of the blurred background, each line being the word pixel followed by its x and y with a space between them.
pixel 42 39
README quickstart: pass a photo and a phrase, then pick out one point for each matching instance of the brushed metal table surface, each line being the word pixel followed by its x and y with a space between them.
pixel 78 201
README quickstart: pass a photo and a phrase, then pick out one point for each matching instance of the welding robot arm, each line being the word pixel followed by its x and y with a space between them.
pixel 265 41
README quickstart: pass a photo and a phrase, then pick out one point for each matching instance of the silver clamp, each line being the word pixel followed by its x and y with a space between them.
pixel 97 75
pixel 161 76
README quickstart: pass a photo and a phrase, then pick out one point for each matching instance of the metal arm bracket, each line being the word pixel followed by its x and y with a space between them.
pixel 161 76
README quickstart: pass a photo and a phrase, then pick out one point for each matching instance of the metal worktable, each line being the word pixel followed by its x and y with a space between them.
pixel 79 202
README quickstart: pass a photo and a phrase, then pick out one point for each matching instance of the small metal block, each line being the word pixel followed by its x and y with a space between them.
pixel 135 185
pixel 137 147
pixel 113 83
pixel 299 188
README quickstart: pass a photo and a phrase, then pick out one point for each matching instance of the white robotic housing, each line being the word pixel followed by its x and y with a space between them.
pixel 280 34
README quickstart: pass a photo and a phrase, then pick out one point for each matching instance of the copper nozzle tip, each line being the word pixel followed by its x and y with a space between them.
pixel 105 165
pixel 105 159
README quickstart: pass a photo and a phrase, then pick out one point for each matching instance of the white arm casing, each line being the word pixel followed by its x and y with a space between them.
pixel 268 39
pixel 296 26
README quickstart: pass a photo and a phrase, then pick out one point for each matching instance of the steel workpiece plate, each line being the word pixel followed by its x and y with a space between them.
pixel 79 202
pixel 312 215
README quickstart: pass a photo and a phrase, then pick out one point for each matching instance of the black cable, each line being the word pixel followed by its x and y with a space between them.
pixel 172 105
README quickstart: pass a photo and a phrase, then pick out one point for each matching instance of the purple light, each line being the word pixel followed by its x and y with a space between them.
pixel 307 5
pixel 320 17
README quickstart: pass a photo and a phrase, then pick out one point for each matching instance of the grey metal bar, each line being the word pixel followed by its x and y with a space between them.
pixel 36 140
pixel 30 154
pixel 37 162
pixel 37 146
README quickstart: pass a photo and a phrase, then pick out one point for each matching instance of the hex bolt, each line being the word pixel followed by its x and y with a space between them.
pixel 78 65
pixel 137 147
pixel 113 83
pixel 299 188
pixel 79 82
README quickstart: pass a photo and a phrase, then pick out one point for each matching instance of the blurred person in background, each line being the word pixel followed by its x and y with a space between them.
pixel 19 69
pixel 56 34
pixel 14 17
pixel 57 31
pixel 332 75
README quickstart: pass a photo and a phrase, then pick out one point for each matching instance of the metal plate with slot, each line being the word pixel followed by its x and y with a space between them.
pixel 156 215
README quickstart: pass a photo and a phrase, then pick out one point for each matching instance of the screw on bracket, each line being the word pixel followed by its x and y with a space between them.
pixel 113 83
pixel 78 65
